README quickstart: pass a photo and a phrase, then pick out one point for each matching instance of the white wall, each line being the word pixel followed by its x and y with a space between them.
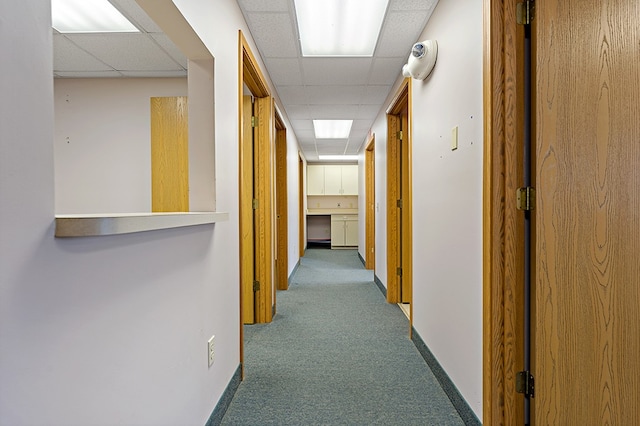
pixel 110 330
pixel 447 197
pixel 102 143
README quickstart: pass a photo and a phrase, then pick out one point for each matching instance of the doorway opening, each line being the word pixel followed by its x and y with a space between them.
pixel 399 204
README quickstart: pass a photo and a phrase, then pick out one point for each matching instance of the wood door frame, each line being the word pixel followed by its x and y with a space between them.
pixel 399 112
pixel 370 201
pixel 301 216
pixel 502 222
pixel 282 216
pixel 249 73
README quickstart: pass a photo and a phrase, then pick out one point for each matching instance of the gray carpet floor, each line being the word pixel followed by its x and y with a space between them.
pixel 336 354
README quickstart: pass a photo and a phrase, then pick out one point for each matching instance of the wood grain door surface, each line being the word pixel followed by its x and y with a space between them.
pixel 587 333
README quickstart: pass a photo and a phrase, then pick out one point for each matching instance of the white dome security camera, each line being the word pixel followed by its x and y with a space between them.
pixel 421 60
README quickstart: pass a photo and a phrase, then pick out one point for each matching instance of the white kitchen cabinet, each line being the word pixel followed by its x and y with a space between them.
pixel 344 230
pixel 315 179
pixel 349 180
pixel 332 179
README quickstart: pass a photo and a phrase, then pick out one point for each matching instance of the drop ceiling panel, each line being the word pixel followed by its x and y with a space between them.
pixel 335 71
pixel 400 32
pixel 276 34
pixel 293 95
pixel 284 71
pixel 88 74
pixel 328 95
pixel 386 70
pixel 368 112
pixel 375 95
pixel 264 6
pixel 70 57
pixel 133 52
pixel 412 4
pixel 359 125
pixel 297 112
pixel 302 124
pixel 333 112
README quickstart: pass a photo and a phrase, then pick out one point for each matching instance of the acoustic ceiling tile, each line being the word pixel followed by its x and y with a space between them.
pixel 327 95
pixel 131 52
pixel 375 95
pixel 335 71
pixel 284 71
pixel 386 70
pixel 400 32
pixel 275 34
pixel 264 5
pixel 71 58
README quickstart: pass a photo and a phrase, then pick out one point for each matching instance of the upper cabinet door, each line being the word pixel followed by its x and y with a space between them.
pixel 315 180
pixel 332 180
pixel 349 180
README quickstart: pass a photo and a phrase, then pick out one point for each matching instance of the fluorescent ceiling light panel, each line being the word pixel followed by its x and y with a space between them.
pixel 88 16
pixel 339 27
pixel 337 157
pixel 332 129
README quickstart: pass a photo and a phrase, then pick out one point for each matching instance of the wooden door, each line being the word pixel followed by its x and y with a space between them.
pixel 399 217
pixel 587 340
pixel 247 234
pixel 370 201
pixel 169 154
pixel 282 215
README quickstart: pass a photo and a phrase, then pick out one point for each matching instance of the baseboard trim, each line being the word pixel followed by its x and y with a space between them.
pixel 381 286
pixel 295 269
pixel 466 413
pixel 364 263
pixel 223 404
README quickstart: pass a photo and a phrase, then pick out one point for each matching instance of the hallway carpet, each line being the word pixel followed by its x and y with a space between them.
pixel 336 354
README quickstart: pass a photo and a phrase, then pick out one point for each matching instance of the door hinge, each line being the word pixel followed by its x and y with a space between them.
pixel 526 198
pixel 400 135
pixel 399 203
pixel 399 271
pixel 525 12
pixel 254 203
pixel 525 383
pixel 253 121
pixel 256 286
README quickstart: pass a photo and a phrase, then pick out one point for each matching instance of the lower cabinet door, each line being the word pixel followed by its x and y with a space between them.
pixel 337 233
pixel 351 232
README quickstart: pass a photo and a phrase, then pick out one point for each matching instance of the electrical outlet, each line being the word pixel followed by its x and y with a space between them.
pixel 211 351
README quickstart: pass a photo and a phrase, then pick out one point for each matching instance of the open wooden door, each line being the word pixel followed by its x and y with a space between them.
pixel 399 221
pixel 282 216
pixel 370 203
pixel 587 336
pixel 586 277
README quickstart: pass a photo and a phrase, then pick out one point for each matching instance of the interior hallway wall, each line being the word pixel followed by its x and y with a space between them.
pixel 447 197
pixel 110 330
pixel 102 143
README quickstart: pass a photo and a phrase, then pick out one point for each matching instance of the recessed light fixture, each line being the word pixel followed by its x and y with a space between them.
pixel 332 129
pixel 339 27
pixel 337 157
pixel 88 16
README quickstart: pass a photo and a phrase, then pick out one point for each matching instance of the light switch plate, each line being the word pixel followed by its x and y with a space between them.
pixel 211 349
pixel 454 138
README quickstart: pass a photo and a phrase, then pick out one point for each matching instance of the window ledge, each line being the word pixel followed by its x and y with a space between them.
pixel 91 225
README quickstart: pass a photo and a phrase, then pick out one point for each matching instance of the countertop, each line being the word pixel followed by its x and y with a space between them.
pixel 337 210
